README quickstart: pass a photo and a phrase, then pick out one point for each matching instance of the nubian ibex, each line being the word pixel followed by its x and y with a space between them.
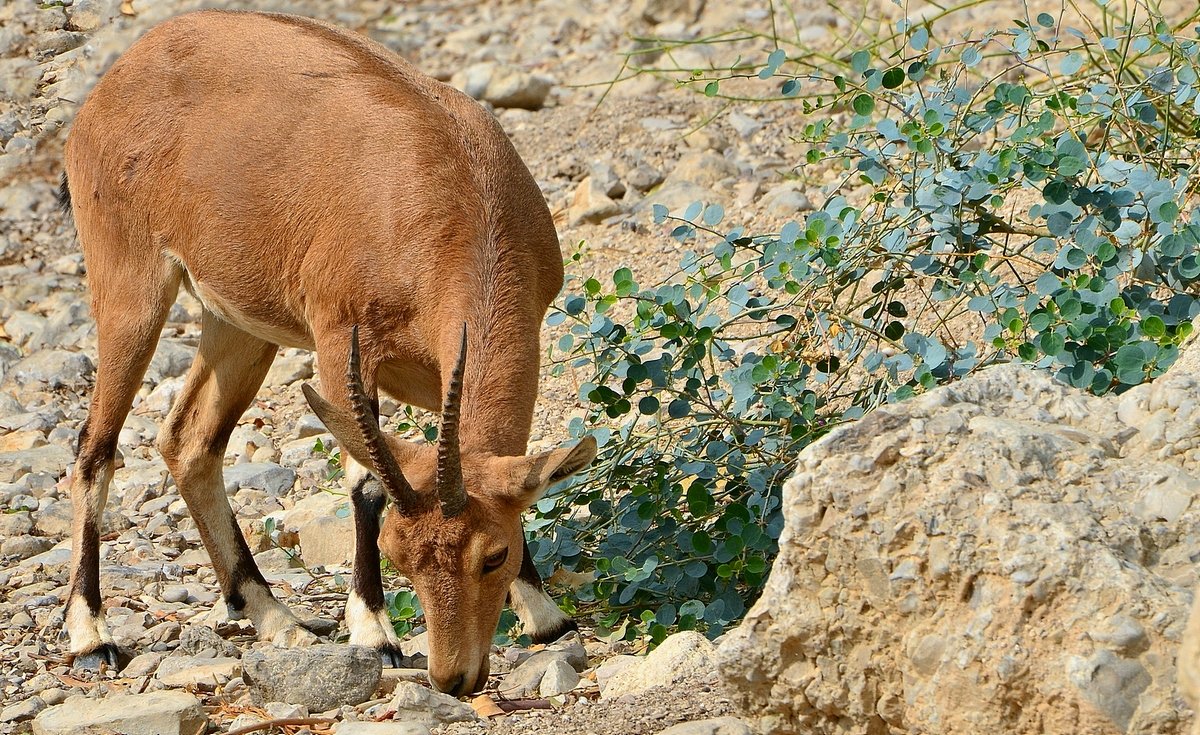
pixel 314 190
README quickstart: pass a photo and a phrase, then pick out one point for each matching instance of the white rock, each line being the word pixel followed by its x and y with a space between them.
pixel 681 656
pixel 559 678
pixel 415 703
pixel 154 713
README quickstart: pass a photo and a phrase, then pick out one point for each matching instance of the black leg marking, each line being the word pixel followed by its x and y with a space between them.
pixel 528 573
pixel 367 499
pixel 243 572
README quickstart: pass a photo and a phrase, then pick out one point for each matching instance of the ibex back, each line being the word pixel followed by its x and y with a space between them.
pixel 311 188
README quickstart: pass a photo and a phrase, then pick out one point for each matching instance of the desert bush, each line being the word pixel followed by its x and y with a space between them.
pixel 1027 194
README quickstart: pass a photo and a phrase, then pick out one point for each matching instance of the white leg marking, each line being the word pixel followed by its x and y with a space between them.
pixel 87 632
pixel 368 628
pixel 273 620
pixel 537 611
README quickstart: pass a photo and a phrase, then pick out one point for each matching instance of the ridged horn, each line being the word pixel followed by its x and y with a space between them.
pixel 450 489
pixel 386 467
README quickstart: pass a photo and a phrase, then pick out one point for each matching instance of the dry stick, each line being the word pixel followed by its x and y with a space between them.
pixel 283 722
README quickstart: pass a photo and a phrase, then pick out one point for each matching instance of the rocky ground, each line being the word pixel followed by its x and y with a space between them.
pixel 602 154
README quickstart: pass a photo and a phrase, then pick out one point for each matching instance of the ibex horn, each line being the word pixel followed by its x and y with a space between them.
pixel 451 492
pixel 407 500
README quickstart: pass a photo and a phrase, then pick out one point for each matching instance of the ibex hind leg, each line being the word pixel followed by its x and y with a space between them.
pixel 228 370
pixel 541 619
pixel 130 300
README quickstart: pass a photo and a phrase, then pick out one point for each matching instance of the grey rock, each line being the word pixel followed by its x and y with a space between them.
pixel 24 547
pixel 785 200
pixel 51 459
pixel 644 177
pixel 320 677
pixel 23 710
pixel 744 125
pixel 143 664
pixel 153 713
pixel 171 359
pixel 560 677
pixel 663 11
pixel 88 15
pixel 504 85
pixel 15 524
pixel 191 671
pixel 197 639
pixel 268 476
pixel 713 726
pixel 350 727
pixel 54 369
pixel 526 679
pixel 605 180
pixel 415 703
pixel 289 368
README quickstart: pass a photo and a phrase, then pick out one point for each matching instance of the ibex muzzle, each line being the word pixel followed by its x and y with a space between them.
pixel 310 188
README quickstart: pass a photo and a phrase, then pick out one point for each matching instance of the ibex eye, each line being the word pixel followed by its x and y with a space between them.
pixel 495 561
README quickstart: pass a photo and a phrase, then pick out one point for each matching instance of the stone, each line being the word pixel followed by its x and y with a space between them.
pixel 196 640
pixel 663 11
pixel 644 177
pixel 23 710
pixel 525 680
pixel 328 540
pixel 989 550
pixel 51 459
pixel 271 477
pixel 560 677
pixel 24 547
pixel 417 704
pixel 191 671
pixel 320 677
pixel 143 664
pixel 53 369
pixel 504 85
pixel 153 713
pixel 289 368
pixel 605 180
pixel 713 726
pixel 171 359
pixel 350 727
pixel 590 205
pixel 1189 662
pixel 612 666
pixel 684 655
pixel 703 168
pixel 785 200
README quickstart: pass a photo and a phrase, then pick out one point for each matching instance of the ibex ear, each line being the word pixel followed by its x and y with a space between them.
pixel 340 424
pixel 530 477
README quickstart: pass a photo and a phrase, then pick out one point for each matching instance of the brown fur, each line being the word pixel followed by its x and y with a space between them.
pixel 300 180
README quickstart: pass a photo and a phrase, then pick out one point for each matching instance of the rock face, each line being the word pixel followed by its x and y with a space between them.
pixel 156 713
pixel 1001 555
pixel 320 677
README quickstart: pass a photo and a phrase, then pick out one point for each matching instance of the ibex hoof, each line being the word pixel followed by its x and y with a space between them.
pixel 393 657
pixel 104 654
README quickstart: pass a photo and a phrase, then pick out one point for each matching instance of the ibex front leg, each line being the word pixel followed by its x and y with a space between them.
pixel 229 368
pixel 366 612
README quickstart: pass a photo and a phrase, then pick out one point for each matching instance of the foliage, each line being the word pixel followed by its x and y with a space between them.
pixel 980 216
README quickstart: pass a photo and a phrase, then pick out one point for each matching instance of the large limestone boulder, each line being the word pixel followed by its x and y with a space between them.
pixel 1006 554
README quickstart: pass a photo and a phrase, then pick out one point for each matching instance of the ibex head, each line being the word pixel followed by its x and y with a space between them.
pixel 454 527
